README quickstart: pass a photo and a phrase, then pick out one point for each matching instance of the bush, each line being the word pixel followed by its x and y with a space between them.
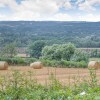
pixel 13 61
pixel 80 56
pixel 58 52
pixel 29 60
pixel 64 63
pixel 18 60
pixel 52 63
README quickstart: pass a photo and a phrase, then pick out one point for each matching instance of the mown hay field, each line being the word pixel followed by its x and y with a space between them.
pixel 64 75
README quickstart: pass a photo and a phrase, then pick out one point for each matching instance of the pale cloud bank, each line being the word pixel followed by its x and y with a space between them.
pixel 88 5
pixel 49 10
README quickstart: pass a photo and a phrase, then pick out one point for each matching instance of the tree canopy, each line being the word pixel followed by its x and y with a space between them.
pixel 9 50
pixel 58 52
pixel 36 48
pixel 82 34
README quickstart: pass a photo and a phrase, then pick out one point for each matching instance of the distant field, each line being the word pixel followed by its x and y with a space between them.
pixel 96 59
pixel 89 50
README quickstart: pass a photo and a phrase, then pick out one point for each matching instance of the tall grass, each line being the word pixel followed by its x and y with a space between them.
pixel 24 86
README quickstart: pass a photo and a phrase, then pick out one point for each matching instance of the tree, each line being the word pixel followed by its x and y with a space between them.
pixel 94 53
pixel 36 48
pixel 52 52
pixel 9 50
pixel 68 51
pixel 58 52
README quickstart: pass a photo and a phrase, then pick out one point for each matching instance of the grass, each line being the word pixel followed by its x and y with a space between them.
pixel 16 86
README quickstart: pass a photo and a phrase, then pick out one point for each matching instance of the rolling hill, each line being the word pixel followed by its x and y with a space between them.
pixel 82 34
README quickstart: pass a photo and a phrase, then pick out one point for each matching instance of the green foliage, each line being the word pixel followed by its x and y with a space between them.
pixel 9 50
pixel 35 49
pixel 52 63
pixel 18 60
pixel 29 60
pixel 67 51
pixel 51 52
pixel 80 56
pixel 95 53
pixel 13 61
pixel 93 77
pixel 82 34
pixel 17 86
pixel 58 52
pixel 64 63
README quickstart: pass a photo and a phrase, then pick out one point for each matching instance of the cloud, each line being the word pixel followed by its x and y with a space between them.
pixel 88 5
pixel 10 3
pixel 47 10
pixel 35 9
pixel 2 5
pixel 40 6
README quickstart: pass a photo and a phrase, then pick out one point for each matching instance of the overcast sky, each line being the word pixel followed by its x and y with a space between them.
pixel 50 10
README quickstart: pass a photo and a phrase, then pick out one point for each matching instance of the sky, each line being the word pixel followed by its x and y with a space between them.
pixel 50 10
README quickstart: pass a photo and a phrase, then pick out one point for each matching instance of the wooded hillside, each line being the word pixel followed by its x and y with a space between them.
pixel 82 34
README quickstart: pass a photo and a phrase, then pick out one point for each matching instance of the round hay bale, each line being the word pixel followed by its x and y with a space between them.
pixel 36 65
pixel 3 65
pixel 94 65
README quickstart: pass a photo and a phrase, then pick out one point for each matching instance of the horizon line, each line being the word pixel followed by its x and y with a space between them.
pixel 43 21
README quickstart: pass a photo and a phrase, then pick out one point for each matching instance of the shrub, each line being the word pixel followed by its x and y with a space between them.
pixel 80 56
pixel 13 61
pixel 29 60
pixel 18 60
pixel 64 63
